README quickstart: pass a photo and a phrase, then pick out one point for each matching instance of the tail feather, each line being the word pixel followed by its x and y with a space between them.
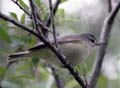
pixel 18 55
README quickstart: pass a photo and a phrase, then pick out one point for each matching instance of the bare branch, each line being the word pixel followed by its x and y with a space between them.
pixel 44 27
pixel 53 24
pixel 34 16
pixel 58 81
pixel 109 5
pixel 48 22
pixel 105 35
pixel 3 16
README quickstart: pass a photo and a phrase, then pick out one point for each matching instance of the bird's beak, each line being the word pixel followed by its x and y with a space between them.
pixel 98 43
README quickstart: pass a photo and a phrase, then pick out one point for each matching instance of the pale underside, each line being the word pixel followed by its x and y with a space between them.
pixel 75 54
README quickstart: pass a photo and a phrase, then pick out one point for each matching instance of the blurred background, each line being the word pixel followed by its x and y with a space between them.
pixel 72 17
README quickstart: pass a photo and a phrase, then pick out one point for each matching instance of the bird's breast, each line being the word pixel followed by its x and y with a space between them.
pixel 75 52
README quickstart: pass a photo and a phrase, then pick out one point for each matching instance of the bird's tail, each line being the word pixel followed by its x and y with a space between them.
pixel 18 55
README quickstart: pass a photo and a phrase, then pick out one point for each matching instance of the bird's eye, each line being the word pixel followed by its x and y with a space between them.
pixel 92 40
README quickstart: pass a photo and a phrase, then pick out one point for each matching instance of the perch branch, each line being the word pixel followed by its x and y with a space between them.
pixel 53 24
pixel 105 35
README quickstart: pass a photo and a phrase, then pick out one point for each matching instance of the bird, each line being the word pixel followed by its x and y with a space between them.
pixel 76 48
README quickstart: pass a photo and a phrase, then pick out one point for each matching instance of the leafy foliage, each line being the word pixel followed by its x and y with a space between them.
pixel 23 19
pixel 14 15
pixel 23 4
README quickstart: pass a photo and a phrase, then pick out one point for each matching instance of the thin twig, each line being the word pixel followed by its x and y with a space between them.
pixel 60 56
pixel 109 5
pixel 53 24
pixel 5 17
pixel 34 16
pixel 25 11
pixel 58 81
pixel 44 27
pixel 48 22
pixel 105 35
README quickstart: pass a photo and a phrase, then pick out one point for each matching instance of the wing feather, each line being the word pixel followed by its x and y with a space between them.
pixel 62 40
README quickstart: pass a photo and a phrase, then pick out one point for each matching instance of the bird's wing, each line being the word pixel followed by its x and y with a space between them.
pixel 61 40
pixel 69 38
pixel 37 47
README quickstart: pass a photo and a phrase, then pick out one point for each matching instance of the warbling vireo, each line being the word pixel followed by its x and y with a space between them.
pixel 75 47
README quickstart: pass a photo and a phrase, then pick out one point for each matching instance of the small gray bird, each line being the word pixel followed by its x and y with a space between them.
pixel 75 47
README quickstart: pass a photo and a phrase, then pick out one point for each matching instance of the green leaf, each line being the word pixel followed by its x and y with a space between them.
pixel 13 15
pixel 2 72
pixel 23 19
pixel 4 35
pixel 23 4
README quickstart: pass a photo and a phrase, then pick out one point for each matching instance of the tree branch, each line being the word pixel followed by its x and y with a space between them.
pixel 105 35
pixel 48 22
pixel 53 24
pixel 109 5
pixel 6 18
pixel 58 81
pixel 34 16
